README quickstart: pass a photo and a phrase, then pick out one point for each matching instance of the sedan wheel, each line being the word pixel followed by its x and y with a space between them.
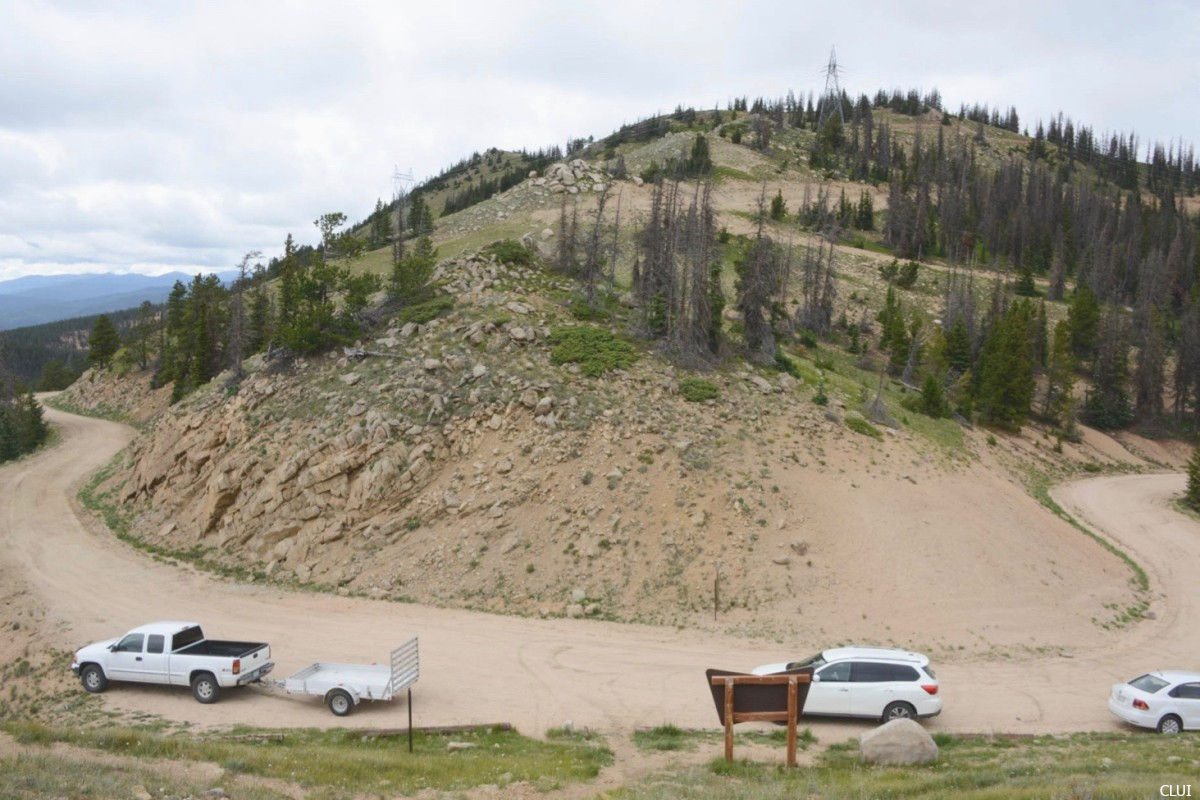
pixel 1169 725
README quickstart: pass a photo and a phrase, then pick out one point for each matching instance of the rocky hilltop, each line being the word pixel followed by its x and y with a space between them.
pixel 450 460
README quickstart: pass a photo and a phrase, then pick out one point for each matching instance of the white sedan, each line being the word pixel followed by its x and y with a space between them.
pixel 1167 700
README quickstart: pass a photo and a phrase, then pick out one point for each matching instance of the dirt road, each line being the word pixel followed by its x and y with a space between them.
pixel 537 673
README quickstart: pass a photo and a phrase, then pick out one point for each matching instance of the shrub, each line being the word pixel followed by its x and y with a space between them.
pixel 510 251
pixel 595 350
pixel 785 364
pixel 820 398
pixel 581 311
pixel 860 425
pixel 697 390
pixel 424 312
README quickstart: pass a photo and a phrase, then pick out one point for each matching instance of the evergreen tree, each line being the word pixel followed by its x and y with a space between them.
pixel 411 274
pixel 699 162
pixel 1060 378
pixel 778 207
pixel 1006 381
pixel 103 342
pixel 958 347
pixel 1192 496
pixel 1083 316
pixel 1108 405
pixel 864 215
pixel 933 399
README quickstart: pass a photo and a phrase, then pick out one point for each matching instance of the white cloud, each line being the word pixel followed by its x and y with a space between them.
pixel 182 135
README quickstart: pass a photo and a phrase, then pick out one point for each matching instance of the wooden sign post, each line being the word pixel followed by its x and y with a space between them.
pixel 731 715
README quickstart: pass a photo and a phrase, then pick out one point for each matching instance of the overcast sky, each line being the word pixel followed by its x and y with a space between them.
pixel 153 137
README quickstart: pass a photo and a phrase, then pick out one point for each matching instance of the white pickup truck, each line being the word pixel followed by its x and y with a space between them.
pixel 175 654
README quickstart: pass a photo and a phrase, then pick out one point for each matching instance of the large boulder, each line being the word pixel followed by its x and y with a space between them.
pixel 899 742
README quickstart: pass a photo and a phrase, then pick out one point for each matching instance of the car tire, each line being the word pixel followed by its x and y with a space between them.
pixel 205 688
pixel 92 678
pixel 898 711
pixel 340 702
pixel 1170 724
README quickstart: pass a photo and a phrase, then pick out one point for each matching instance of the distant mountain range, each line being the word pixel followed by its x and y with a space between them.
pixel 36 299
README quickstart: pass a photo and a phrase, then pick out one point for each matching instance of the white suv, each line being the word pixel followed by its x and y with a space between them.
pixel 878 682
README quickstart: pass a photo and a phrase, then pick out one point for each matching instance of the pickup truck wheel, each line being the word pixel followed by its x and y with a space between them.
pixel 93 678
pixel 205 688
pixel 340 702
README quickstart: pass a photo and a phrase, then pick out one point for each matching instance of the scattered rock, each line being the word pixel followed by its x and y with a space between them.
pixel 900 742
pixel 529 398
pixel 578 595
pixel 544 406
pixel 574 611
pixel 782 561
pixel 454 747
pixel 351 378
pixel 431 364
pixel 504 466
pixel 762 384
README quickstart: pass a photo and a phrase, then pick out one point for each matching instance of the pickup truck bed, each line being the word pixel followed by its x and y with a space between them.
pixel 208 647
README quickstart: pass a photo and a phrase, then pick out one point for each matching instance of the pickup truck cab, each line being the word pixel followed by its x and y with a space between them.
pixel 172 654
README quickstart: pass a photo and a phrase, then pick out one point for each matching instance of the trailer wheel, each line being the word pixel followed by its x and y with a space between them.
pixel 93 678
pixel 340 702
pixel 205 688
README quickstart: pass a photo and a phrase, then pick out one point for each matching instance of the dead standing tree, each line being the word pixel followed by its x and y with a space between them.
pixel 593 259
pixel 759 278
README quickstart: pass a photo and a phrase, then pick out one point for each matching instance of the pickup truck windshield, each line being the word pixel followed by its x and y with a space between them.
pixel 186 638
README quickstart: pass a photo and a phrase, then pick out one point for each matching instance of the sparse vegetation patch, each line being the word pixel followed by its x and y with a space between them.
pixel 595 350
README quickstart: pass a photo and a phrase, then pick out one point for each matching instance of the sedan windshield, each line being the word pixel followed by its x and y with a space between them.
pixel 814 662
pixel 1148 683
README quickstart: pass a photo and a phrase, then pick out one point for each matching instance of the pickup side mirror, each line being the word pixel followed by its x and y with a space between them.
pixel 816 678
pixel 112 648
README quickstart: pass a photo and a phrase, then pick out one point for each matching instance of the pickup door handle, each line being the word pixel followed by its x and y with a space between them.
pixel 137 658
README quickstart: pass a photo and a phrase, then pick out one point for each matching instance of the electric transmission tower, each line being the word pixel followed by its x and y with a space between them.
pixel 831 100
pixel 400 182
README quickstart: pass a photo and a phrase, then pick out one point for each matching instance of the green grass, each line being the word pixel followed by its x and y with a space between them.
pixel 421 313
pixel 697 390
pixel 1039 485
pixel 43 776
pixel 671 737
pixel 860 425
pixel 341 763
pixel 1088 765
pixel 595 350
pixel 100 411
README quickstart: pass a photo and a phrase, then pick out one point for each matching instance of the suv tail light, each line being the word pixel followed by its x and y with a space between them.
pixel 237 666
pixel 1141 704
pixel 930 688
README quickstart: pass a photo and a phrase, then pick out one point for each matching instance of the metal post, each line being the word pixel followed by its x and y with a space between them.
pixel 410 720
pixel 716 590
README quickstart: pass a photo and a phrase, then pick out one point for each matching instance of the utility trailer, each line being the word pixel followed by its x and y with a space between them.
pixel 343 686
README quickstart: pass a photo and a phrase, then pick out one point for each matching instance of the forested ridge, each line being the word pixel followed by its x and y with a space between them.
pixel 1016 222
